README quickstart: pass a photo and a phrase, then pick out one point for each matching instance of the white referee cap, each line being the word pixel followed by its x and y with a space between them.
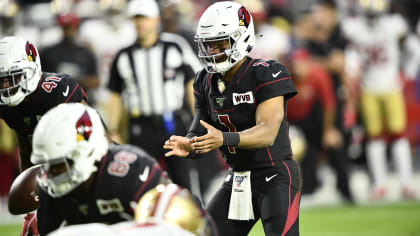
pixel 147 8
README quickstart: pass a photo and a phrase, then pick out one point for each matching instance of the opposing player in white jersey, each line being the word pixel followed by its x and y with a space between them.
pixel 375 36
pixel 166 210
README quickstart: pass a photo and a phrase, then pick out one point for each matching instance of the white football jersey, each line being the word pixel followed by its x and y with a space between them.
pixel 122 229
pixel 378 48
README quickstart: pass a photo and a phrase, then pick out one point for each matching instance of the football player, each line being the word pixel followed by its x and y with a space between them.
pixel 83 178
pixel 164 210
pixel 26 92
pixel 377 37
pixel 240 105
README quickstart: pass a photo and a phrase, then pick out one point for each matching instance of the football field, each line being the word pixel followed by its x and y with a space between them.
pixel 396 219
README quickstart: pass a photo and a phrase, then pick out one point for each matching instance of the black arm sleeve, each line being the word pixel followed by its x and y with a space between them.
pixel 47 217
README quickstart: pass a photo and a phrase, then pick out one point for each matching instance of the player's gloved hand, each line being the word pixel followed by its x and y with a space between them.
pixel 30 225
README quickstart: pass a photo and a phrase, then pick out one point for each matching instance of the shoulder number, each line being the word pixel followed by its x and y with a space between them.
pixel 261 63
pixel 50 83
pixel 121 163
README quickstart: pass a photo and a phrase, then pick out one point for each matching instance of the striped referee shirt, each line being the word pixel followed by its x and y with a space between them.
pixel 153 79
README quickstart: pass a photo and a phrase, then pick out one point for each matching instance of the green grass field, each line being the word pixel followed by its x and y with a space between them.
pixel 401 219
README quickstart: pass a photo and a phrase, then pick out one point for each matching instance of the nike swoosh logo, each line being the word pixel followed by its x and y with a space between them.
pixel 276 74
pixel 145 174
pixel 267 179
pixel 66 92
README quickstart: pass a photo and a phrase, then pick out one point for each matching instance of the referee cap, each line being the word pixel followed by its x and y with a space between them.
pixel 147 8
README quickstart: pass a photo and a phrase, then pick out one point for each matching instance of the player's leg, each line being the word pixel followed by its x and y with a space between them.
pixel 400 147
pixel 376 146
pixel 218 208
pixel 280 202
pixel 309 168
pixel 337 158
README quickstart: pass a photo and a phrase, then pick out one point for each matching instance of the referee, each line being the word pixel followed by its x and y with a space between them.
pixel 154 76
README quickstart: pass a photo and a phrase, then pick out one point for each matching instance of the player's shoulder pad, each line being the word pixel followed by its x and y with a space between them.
pixel 200 75
pixel 52 84
pixel 124 164
pixel 269 70
pixel 200 79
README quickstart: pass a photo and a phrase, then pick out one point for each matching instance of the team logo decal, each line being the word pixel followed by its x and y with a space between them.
pixel 30 51
pixel 239 98
pixel 84 127
pixel 244 17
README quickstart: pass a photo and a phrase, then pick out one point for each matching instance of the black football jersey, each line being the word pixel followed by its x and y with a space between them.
pixel 234 109
pixel 52 90
pixel 123 176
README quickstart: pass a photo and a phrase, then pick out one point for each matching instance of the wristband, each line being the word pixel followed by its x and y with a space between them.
pixel 231 138
pixel 192 155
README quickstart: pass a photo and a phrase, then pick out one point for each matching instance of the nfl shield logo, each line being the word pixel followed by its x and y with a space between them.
pixel 219 101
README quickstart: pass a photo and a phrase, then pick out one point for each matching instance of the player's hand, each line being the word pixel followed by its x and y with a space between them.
pixel 115 137
pixel 30 225
pixel 179 145
pixel 212 140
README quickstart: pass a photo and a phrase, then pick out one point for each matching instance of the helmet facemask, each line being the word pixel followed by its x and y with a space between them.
pixel 60 184
pixel 72 170
pixel 70 156
pixel 20 70
pixel 13 86
pixel 226 58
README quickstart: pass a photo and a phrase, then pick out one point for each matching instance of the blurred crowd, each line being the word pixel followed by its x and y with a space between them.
pixel 356 68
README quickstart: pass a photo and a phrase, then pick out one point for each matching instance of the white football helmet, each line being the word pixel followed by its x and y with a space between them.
pixel 225 21
pixel 20 70
pixel 73 136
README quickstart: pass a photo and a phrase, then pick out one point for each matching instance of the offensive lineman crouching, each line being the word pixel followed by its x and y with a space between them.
pixel 83 178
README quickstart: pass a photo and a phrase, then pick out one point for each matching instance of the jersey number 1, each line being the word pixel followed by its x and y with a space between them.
pixel 224 120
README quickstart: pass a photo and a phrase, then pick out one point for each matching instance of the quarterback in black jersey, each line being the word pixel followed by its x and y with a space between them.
pixel 26 92
pixel 84 179
pixel 240 106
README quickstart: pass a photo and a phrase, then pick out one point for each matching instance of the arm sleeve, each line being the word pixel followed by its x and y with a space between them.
pixel 48 219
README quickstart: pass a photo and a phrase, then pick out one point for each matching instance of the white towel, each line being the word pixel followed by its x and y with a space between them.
pixel 240 207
